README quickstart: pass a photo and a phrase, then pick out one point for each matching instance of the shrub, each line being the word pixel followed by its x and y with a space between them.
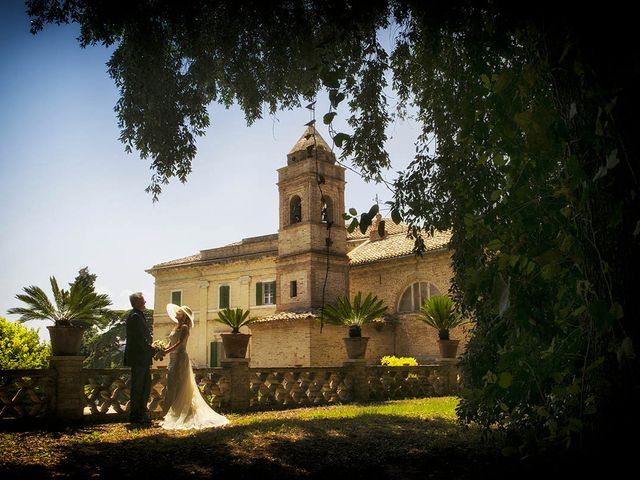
pixel 393 361
pixel 20 347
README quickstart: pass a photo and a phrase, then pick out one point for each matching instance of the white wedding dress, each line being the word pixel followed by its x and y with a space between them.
pixel 187 408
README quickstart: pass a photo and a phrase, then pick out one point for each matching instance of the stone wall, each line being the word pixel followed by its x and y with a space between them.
pixel 389 279
pixel 201 291
pixel 285 342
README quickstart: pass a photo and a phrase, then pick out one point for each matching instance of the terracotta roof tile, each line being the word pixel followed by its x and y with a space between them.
pixel 390 229
pixel 393 246
pixel 180 261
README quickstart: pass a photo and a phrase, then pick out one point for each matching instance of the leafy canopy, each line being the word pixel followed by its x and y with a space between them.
pixel 527 150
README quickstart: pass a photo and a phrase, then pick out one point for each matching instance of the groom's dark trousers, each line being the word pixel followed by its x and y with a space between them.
pixel 138 354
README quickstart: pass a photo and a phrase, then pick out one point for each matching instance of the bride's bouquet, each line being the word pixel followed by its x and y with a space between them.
pixel 159 346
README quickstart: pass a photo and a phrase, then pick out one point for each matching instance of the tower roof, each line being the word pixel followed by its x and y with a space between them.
pixel 306 141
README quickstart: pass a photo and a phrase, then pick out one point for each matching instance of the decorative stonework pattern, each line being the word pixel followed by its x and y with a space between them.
pixel 235 387
pixel 394 383
pixel 298 387
pixel 107 391
pixel 215 386
pixel 26 393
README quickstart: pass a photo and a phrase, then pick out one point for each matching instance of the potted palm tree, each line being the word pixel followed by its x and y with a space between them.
pixel 235 343
pixel 354 315
pixel 438 312
pixel 72 312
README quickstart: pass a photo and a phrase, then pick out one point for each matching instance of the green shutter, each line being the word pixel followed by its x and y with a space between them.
pixel 274 293
pixel 224 296
pixel 259 293
pixel 213 359
pixel 176 298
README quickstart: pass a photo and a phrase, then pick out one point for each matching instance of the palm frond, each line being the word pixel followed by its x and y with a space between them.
pixel 344 312
pixel 80 304
pixel 234 318
pixel 38 305
pixel 438 312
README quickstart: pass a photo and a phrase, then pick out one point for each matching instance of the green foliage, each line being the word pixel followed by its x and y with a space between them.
pixel 20 347
pixel 80 305
pixel 353 314
pixel 103 343
pixel 234 318
pixel 526 152
pixel 438 312
pixel 393 361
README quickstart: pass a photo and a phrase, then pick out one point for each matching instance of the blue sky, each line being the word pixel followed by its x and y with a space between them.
pixel 72 197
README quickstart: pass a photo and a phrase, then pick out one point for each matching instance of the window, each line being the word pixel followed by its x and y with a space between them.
pixel 295 210
pixel 176 297
pixel 415 295
pixel 266 293
pixel 224 296
pixel 293 288
pixel 213 354
pixel 326 213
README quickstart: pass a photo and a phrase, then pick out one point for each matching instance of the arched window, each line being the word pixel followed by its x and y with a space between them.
pixel 326 213
pixel 414 296
pixel 295 210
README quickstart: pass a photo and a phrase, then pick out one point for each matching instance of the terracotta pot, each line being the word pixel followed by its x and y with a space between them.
pixel 448 348
pixel 356 346
pixel 66 340
pixel 235 344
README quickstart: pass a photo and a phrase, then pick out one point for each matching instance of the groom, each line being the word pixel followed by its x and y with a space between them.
pixel 138 354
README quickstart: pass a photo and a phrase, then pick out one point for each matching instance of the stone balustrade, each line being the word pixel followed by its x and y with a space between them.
pixel 66 391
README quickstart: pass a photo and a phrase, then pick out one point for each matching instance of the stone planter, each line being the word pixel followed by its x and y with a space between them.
pixel 448 348
pixel 66 340
pixel 356 346
pixel 235 344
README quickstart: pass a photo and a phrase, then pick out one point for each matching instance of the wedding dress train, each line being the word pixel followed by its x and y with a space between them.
pixel 187 408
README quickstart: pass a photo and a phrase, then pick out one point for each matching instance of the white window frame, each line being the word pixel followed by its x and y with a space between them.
pixel 413 299
pixel 264 292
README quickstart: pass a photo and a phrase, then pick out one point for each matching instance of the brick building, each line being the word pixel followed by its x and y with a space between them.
pixel 282 277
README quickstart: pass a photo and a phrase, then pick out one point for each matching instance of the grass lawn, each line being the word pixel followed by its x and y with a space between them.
pixel 398 439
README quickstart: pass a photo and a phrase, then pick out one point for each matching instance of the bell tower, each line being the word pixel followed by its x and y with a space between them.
pixel 312 239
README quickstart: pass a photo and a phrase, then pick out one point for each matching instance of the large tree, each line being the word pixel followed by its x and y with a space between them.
pixel 527 152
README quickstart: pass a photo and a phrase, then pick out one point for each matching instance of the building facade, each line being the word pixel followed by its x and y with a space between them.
pixel 284 278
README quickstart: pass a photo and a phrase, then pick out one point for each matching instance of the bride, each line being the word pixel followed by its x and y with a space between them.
pixel 186 407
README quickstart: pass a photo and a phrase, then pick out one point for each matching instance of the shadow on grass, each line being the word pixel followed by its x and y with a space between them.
pixel 366 446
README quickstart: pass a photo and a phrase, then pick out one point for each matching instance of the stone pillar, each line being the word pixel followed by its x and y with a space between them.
pixel 452 375
pixel 69 400
pixel 238 375
pixel 356 370
pixel 449 369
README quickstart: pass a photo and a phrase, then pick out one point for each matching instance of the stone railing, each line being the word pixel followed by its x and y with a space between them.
pixel 298 387
pixel 26 394
pixel 391 383
pixel 67 391
pixel 106 391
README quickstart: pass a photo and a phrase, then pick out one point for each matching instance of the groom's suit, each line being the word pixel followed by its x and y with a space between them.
pixel 138 354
